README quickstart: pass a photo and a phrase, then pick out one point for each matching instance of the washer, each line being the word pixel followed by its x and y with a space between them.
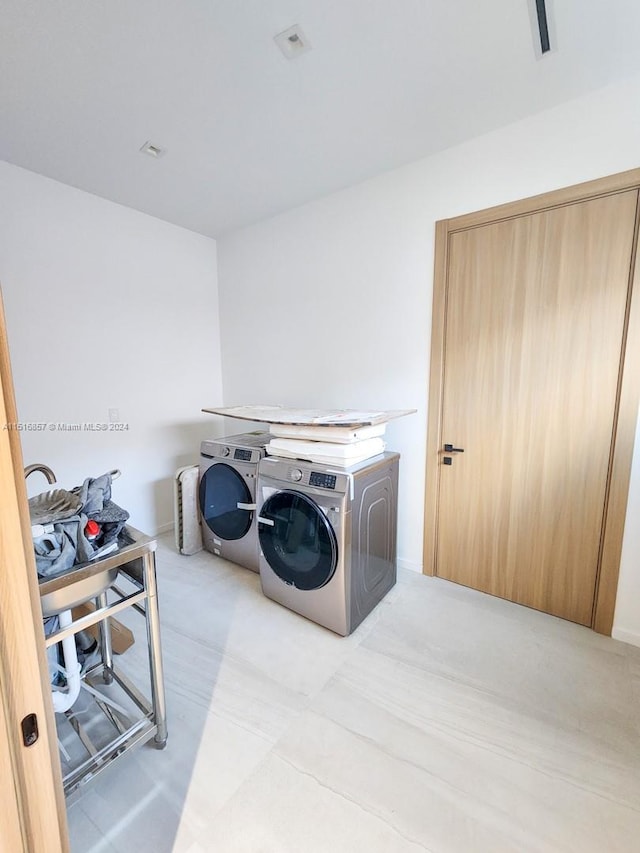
pixel 227 496
pixel 327 537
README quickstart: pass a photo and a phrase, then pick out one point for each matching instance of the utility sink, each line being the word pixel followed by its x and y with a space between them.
pixel 88 580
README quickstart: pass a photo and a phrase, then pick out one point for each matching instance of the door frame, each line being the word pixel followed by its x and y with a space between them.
pixel 627 397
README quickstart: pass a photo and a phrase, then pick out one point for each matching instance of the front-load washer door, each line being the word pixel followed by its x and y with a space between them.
pixel 222 494
pixel 297 541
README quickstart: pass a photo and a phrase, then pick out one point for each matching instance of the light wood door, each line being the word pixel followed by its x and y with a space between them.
pixel 11 839
pixel 32 810
pixel 534 329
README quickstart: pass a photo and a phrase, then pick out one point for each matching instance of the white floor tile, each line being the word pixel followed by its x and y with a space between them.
pixel 283 810
pixel 450 722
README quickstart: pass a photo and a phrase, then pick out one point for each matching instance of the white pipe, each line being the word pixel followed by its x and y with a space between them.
pixel 64 699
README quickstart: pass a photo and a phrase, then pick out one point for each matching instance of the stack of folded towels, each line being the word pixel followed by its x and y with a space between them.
pixel 340 446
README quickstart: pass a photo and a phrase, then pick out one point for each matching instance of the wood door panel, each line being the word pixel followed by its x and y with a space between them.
pixel 534 323
pixel 35 800
pixel 10 828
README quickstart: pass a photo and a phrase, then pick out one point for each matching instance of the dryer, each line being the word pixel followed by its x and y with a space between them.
pixel 327 537
pixel 227 496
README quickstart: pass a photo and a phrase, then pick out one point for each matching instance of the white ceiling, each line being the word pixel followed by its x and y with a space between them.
pixel 248 133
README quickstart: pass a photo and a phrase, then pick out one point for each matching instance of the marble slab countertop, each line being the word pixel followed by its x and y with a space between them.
pixel 309 417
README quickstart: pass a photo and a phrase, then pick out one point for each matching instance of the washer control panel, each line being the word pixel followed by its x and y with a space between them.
pixel 300 473
pixel 242 455
pixel 323 481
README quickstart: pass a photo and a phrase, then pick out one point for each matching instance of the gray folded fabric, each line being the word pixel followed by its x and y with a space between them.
pixel 66 545
pixel 94 493
pixel 51 624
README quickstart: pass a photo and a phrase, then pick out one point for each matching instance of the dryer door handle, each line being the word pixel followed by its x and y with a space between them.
pixel 268 521
pixel 246 506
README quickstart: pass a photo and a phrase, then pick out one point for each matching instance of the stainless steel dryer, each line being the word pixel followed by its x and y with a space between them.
pixel 227 496
pixel 327 537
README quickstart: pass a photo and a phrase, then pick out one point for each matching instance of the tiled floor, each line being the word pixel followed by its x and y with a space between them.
pixel 450 721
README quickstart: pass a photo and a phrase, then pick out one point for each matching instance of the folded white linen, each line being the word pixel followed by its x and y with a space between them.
pixel 341 455
pixel 334 435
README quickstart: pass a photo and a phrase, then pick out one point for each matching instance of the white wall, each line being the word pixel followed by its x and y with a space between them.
pixel 333 300
pixel 108 308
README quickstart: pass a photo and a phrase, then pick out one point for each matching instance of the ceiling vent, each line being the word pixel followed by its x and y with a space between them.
pixel 153 150
pixel 292 42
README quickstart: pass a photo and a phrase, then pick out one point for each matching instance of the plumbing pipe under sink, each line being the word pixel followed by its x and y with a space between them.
pixel 64 699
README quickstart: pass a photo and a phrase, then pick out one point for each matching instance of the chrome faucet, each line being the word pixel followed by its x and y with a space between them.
pixel 38 466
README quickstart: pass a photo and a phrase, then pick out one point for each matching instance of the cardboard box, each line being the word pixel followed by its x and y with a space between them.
pixel 121 637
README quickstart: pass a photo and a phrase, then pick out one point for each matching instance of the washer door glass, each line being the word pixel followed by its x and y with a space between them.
pixel 221 490
pixel 297 540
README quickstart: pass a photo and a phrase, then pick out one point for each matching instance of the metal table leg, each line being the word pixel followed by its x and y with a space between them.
pixel 105 642
pixel 155 650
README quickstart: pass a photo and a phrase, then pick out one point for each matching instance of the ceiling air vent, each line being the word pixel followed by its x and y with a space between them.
pixel 152 150
pixel 292 42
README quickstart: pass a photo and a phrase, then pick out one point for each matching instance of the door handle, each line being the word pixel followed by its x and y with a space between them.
pixel 245 506
pixel 268 521
pixel 449 448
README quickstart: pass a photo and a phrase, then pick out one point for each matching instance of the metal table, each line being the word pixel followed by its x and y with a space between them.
pixel 96 581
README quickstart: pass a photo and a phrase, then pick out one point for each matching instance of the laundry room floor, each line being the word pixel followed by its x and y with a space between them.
pixel 449 721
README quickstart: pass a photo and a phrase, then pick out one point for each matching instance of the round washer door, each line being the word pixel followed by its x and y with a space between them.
pixel 221 490
pixel 297 540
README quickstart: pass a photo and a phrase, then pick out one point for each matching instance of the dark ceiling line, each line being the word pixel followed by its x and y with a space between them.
pixel 543 26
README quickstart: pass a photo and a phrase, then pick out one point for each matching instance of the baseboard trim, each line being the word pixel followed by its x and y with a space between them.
pixel 631 637
pixel 164 528
pixel 410 565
